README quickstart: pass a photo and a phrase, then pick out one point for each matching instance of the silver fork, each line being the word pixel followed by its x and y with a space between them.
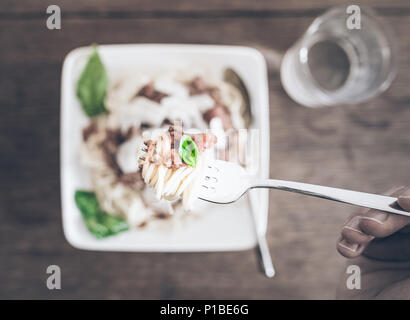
pixel 226 182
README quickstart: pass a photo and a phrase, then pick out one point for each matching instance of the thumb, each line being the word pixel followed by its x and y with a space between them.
pixel 381 224
pixel 404 199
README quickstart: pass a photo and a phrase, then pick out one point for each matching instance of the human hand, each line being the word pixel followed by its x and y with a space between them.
pixel 376 234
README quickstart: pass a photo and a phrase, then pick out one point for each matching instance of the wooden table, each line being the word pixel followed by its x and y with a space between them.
pixel 364 147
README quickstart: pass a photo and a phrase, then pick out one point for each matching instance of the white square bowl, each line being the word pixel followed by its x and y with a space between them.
pixel 222 227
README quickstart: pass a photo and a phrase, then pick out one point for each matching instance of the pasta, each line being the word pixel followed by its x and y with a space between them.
pixel 146 101
pixel 164 170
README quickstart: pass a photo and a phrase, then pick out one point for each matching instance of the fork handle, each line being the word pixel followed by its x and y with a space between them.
pixel 363 199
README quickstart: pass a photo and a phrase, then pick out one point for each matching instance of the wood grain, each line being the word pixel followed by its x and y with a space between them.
pixel 364 147
pixel 190 7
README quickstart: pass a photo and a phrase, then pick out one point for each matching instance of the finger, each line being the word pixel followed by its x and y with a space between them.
pixel 354 240
pixel 381 224
pixel 404 200
pixel 347 249
pixel 352 233
pixel 393 248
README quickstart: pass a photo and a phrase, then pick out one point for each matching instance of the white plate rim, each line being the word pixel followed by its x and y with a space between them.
pixel 185 48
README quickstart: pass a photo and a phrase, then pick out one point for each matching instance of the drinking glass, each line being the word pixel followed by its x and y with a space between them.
pixel 334 63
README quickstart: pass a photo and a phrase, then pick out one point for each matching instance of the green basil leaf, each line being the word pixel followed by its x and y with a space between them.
pixel 92 86
pixel 87 203
pixel 188 151
pixel 99 223
pixel 96 228
pixel 114 224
